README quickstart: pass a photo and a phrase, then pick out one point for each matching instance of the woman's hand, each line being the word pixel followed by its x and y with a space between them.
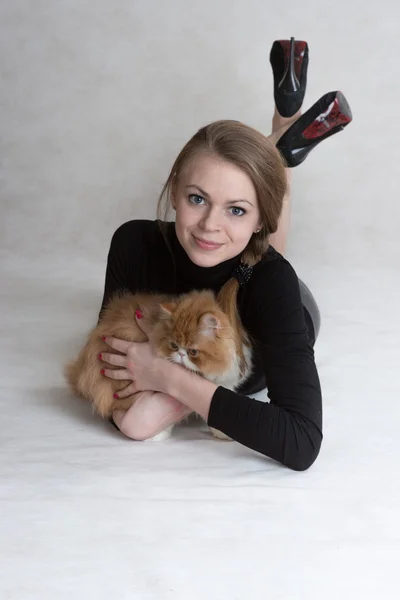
pixel 147 371
pixel 138 363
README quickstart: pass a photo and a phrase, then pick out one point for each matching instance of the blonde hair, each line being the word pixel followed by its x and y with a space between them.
pixel 255 154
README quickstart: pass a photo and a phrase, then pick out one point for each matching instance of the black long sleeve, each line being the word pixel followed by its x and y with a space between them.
pixel 289 427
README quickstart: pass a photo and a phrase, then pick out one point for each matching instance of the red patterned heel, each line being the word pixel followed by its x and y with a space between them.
pixel 329 115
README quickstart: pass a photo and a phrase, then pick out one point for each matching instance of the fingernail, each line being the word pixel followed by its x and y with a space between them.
pixel 138 314
pixel 99 357
pixel 116 396
pixel 102 371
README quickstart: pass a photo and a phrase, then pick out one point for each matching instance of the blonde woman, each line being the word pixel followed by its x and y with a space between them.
pixel 230 193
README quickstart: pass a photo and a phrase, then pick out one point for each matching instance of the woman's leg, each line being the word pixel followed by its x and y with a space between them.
pixel 311 312
pixel 330 114
pixel 279 239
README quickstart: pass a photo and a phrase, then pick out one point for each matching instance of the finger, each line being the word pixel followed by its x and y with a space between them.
pixel 128 391
pixel 117 374
pixel 117 344
pixel 113 359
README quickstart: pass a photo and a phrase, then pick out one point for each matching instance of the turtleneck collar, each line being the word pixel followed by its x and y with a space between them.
pixel 190 276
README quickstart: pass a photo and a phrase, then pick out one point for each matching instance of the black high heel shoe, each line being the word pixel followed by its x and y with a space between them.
pixel 328 116
pixel 289 61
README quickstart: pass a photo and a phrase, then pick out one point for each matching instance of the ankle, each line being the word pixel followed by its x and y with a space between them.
pixel 283 123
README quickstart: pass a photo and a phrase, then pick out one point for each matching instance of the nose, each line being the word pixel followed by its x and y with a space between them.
pixel 181 353
pixel 211 220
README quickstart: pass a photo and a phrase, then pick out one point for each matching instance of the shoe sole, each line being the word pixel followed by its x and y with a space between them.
pixel 337 115
pixel 290 75
pixel 325 118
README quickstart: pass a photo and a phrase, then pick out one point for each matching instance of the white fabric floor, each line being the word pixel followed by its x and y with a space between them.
pixel 96 100
pixel 86 513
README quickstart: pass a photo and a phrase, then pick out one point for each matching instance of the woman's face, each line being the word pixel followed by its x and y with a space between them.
pixel 216 210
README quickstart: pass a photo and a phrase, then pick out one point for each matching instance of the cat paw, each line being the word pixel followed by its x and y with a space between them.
pixel 219 435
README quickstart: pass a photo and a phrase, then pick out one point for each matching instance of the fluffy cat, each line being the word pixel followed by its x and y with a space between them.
pixel 191 330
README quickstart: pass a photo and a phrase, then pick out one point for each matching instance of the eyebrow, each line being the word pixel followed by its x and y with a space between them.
pixel 203 193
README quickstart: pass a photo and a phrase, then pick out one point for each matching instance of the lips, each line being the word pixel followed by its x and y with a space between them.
pixel 206 244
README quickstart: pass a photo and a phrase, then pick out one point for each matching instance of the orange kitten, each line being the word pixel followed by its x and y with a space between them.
pixel 191 330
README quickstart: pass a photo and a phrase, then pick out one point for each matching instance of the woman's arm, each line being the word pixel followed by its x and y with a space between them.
pixel 124 261
pixel 187 387
pixel 278 432
pixel 289 427
pixel 118 272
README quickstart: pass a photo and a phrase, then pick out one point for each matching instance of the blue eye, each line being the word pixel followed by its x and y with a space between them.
pixel 198 200
pixel 194 198
pixel 238 214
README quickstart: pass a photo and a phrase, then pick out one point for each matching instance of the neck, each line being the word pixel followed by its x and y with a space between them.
pixel 191 276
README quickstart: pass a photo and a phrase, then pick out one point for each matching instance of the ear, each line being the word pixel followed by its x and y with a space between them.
pixel 209 324
pixel 167 308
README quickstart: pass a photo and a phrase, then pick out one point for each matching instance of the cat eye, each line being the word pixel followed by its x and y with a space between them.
pixel 193 352
pixel 173 346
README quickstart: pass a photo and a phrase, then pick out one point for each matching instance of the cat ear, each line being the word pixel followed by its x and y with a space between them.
pixel 167 308
pixel 209 324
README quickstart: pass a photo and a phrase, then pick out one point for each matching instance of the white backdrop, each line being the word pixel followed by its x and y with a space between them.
pixel 96 100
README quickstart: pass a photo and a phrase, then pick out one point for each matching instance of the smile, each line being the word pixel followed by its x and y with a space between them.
pixel 206 245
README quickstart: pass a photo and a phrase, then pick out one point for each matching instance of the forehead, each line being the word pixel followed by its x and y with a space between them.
pixel 184 326
pixel 219 178
pixel 185 336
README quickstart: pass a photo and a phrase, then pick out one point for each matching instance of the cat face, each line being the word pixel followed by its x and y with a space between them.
pixel 196 334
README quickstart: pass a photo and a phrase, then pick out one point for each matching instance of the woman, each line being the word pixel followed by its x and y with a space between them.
pixel 229 189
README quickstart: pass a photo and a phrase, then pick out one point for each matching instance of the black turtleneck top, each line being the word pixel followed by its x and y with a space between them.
pixel 289 427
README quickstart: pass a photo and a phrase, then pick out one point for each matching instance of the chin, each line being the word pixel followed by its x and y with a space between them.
pixel 205 260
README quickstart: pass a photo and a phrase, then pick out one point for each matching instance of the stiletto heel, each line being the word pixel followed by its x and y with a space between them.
pixel 329 115
pixel 289 61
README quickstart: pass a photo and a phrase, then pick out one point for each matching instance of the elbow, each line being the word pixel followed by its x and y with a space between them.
pixel 306 453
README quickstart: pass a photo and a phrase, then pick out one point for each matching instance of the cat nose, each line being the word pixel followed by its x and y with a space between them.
pixel 181 353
